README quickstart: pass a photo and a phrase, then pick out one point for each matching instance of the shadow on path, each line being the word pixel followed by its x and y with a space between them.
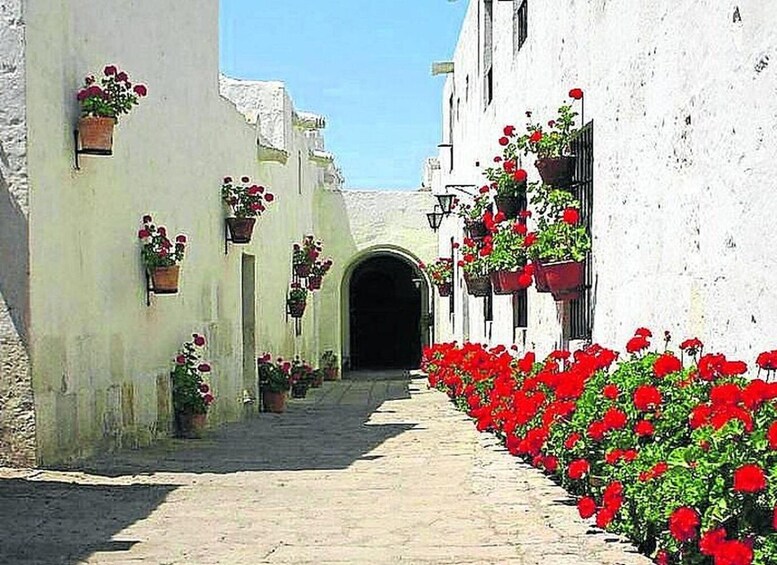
pixel 58 523
pixel 327 430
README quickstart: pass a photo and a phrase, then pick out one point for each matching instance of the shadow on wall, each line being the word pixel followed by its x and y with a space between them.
pixel 61 523
pixel 327 431
pixel 14 260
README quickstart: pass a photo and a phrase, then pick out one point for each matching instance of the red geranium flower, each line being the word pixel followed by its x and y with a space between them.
pixel 637 343
pixel 615 419
pixel 666 364
pixel 576 93
pixel 503 141
pixel 572 440
pixel 520 175
pixel 644 428
pixel 570 216
pixel 683 523
pixel 509 130
pixel 610 391
pixel 586 506
pixel 535 137
pixel 749 478
pixel 578 469
pixel 646 397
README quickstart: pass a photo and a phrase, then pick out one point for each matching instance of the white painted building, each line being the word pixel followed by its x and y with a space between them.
pixel 682 97
pixel 84 362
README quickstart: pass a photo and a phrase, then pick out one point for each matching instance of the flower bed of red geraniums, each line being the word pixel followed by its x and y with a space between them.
pixel 678 453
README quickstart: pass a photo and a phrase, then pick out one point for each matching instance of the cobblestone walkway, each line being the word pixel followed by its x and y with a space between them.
pixel 366 471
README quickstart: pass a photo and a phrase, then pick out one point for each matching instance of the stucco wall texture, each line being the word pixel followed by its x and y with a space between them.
pixel 99 357
pixel 17 421
pixel 682 95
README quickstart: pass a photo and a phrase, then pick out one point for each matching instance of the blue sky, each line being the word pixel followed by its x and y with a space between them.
pixel 364 64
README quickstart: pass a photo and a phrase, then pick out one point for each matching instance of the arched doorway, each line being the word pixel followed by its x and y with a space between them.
pixel 386 304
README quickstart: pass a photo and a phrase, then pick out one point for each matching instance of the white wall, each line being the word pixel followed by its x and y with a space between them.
pixel 17 422
pixel 682 97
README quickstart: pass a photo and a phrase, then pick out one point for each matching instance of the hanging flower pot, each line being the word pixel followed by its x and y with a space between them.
pixel 476 229
pixel 274 401
pixel 165 279
pixel 510 206
pixel 241 229
pixel 556 171
pixel 302 270
pixel 540 280
pixel 565 279
pixel 479 285
pixel 507 282
pixel 314 282
pixel 444 289
pixel 296 309
pixel 95 134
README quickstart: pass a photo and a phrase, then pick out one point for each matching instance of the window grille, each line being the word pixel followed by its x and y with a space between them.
pixel 581 309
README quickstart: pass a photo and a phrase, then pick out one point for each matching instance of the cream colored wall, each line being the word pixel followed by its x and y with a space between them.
pixel 101 356
pixel 680 94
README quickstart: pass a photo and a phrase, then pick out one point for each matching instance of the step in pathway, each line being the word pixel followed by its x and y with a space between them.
pixel 377 470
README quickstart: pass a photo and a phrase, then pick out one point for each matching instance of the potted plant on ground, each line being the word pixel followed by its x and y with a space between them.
pixel 297 300
pixel 304 256
pixel 317 273
pixel 472 214
pixel 507 259
pixel 474 263
pixel 441 274
pixel 508 179
pixel 275 382
pixel 191 394
pixel 102 105
pixel 551 144
pixel 247 202
pixel 161 256
pixel 330 365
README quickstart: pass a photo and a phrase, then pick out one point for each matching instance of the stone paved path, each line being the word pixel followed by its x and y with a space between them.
pixel 361 472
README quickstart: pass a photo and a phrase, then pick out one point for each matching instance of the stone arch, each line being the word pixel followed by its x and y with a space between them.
pixel 355 266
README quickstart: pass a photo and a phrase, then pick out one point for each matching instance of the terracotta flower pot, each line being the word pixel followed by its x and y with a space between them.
pixel 302 270
pixel 540 280
pixel 95 134
pixel 189 425
pixel 165 279
pixel 274 401
pixel 510 206
pixel 478 286
pixel 331 374
pixel 314 282
pixel 241 229
pixel 296 309
pixel 556 171
pixel 444 289
pixel 565 279
pixel 506 282
pixel 476 229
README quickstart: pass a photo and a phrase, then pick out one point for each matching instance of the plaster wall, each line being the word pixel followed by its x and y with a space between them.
pixel 101 356
pixel 17 421
pixel 682 98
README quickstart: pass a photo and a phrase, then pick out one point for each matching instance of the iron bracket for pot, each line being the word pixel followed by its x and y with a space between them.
pixel 77 151
pixel 149 288
pixel 227 239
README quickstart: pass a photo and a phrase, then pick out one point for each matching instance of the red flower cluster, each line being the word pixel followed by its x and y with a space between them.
pixel 632 437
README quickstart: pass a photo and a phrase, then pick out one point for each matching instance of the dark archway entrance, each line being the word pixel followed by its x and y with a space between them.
pixel 385 314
